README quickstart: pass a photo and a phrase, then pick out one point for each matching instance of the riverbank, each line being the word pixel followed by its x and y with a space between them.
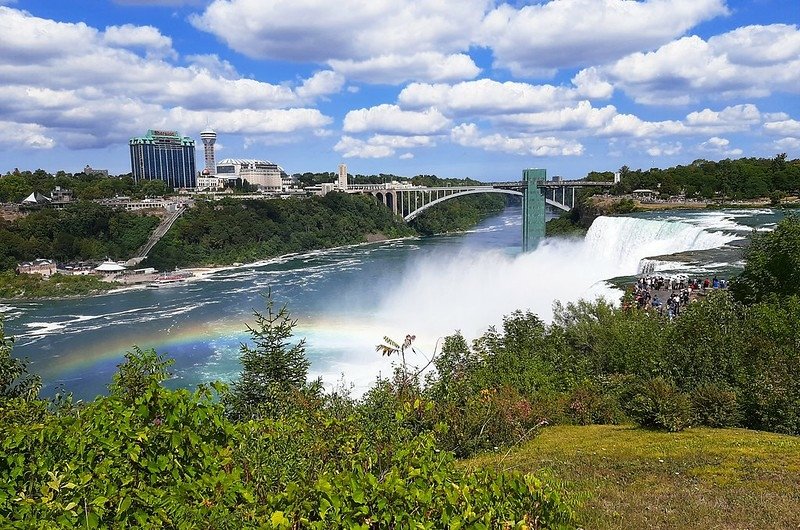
pixel 196 274
pixel 15 286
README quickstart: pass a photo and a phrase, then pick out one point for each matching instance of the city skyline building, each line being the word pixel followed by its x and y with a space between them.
pixel 209 138
pixel 262 173
pixel 342 184
pixel 166 156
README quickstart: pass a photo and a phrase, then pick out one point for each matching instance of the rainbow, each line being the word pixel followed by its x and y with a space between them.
pixel 329 342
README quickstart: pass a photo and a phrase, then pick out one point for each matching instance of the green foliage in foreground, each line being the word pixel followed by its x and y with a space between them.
pixel 149 457
pixel 15 381
pixel 458 214
pixel 13 285
pixel 772 264
pixel 720 363
pixel 274 371
pixel 229 231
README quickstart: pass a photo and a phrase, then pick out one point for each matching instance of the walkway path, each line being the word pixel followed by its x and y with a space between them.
pixel 158 233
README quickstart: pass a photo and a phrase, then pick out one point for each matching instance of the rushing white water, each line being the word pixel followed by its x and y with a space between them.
pixel 473 288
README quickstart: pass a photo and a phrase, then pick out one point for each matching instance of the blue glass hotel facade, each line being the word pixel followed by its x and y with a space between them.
pixel 164 155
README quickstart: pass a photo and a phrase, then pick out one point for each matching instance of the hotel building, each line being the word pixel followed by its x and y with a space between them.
pixel 164 155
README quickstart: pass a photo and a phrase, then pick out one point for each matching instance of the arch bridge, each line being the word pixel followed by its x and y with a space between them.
pixel 535 190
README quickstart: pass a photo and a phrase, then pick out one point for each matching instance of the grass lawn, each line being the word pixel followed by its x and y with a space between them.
pixel 624 477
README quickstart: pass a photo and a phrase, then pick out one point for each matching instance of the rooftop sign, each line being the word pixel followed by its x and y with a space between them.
pixel 163 133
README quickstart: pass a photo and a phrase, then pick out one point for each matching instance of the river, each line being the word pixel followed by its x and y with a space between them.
pixel 347 299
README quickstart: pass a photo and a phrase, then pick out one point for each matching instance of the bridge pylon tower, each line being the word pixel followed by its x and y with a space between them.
pixel 533 208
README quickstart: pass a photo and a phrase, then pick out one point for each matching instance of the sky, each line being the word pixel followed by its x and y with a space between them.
pixel 457 88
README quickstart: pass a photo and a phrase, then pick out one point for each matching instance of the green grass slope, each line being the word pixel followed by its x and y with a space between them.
pixel 624 477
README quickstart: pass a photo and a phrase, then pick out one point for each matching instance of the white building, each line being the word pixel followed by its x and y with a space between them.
pixel 262 173
pixel 45 267
pixel 205 181
pixel 342 184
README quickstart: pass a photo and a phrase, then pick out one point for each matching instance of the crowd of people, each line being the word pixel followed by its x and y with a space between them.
pixel 668 295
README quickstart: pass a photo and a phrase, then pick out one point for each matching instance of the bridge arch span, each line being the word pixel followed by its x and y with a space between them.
pixel 411 216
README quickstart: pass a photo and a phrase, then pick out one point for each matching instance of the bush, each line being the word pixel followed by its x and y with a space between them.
pixel 660 405
pixel 590 404
pixel 715 406
pixel 149 457
pixel 624 206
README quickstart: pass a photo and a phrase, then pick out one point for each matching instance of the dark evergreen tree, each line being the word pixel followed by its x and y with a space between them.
pixel 273 368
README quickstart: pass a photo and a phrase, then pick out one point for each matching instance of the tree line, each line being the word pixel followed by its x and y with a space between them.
pixel 80 231
pixel 231 231
pixel 16 185
pixel 744 178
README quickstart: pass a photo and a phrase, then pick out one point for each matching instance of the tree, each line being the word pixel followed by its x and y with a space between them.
pixel 15 381
pixel 772 264
pixel 141 370
pixel 272 368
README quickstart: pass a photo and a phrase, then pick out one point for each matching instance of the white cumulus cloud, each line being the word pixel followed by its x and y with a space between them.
pixel 89 88
pixel 395 68
pixel 715 144
pixel 145 37
pixel 24 136
pixel 691 68
pixel 550 35
pixel 392 119
pixel 468 135
pixel 309 30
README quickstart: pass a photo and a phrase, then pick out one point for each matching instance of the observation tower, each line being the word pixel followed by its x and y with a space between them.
pixel 209 138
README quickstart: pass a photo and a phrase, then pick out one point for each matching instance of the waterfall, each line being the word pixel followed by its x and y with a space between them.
pixel 471 288
pixel 628 240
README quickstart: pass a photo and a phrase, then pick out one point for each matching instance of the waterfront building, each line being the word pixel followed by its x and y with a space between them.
pixel 289 181
pixel 209 138
pixel 45 267
pixel 262 173
pixel 342 184
pixel 164 155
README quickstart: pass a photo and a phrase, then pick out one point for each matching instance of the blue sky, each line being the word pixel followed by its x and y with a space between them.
pixel 458 88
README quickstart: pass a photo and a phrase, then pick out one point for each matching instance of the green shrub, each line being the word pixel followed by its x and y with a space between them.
pixel 715 405
pixel 590 404
pixel 149 457
pixel 660 405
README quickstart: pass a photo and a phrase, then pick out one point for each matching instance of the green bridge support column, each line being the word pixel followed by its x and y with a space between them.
pixel 533 207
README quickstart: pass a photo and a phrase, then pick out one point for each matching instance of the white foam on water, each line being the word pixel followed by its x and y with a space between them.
pixel 473 288
pixel 43 328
